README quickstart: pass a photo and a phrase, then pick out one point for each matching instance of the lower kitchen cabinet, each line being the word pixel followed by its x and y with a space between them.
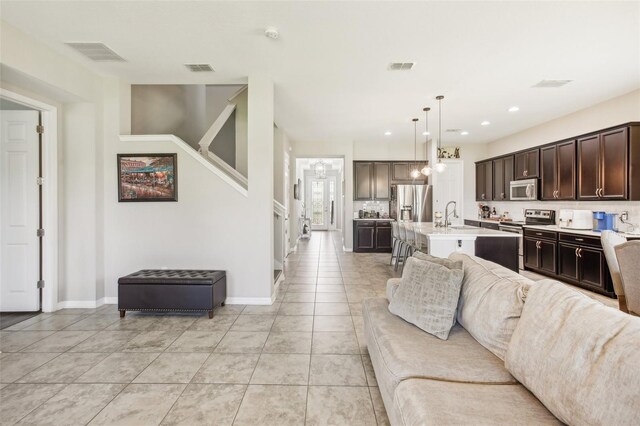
pixel 372 236
pixel 540 255
pixel 572 258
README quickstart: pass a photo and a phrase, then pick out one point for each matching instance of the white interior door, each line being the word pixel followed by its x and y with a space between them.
pixel 19 211
pixel 449 186
pixel 318 202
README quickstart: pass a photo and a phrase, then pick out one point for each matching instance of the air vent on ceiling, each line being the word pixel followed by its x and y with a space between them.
pixel 401 66
pixel 551 83
pixel 199 67
pixel 96 52
pixel 453 130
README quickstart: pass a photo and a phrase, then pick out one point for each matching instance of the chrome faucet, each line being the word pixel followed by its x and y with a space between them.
pixel 447 214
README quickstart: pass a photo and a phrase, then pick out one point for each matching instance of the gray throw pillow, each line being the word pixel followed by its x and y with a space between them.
pixel 428 296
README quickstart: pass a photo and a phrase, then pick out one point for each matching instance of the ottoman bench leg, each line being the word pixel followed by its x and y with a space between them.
pixel 122 313
pixel 210 314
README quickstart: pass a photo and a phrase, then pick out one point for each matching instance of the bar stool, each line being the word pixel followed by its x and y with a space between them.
pixel 397 243
pixel 402 234
pixel 410 242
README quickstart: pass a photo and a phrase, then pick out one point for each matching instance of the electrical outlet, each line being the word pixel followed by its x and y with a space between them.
pixel 624 216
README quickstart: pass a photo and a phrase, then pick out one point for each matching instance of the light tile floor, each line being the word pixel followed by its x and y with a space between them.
pixel 302 360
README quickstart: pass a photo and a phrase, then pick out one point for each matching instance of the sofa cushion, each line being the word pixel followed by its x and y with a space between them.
pixel 579 357
pixel 431 402
pixel 491 301
pixel 451 264
pixel 428 296
pixel 392 287
pixel 400 350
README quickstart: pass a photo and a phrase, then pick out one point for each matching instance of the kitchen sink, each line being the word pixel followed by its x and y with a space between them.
pixel 462 227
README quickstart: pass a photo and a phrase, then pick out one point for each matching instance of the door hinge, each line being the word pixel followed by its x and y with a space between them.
pixel 40 181
pixel 40 129
pixel 40 283
pixel 40 232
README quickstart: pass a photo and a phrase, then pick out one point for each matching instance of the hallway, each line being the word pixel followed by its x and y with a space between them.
pixel 302 360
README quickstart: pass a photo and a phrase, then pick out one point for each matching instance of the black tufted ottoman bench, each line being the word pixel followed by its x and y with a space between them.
pixel 172 290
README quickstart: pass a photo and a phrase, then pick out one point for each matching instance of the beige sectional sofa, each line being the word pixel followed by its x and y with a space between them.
pixel 520 353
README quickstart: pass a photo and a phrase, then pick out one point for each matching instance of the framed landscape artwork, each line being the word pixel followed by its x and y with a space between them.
pixel 147 177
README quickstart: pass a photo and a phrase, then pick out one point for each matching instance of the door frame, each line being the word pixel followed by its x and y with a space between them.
pixel 49 117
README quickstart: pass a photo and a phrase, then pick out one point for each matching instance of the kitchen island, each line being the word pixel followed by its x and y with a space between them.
pixel 496 246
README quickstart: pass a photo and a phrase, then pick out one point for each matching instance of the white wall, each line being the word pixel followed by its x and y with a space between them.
pixel 212 225
pixel 32 69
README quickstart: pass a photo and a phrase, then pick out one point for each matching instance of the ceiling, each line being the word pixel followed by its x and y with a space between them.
pixel 308 163
pixel 330 64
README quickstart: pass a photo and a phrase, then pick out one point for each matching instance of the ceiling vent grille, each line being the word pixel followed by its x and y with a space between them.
pixel 199 67
pixel 401 66
pixel 551 83
pixel 96 52
pixel 453 130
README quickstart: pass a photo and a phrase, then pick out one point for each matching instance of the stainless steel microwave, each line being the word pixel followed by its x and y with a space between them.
pixel 522 190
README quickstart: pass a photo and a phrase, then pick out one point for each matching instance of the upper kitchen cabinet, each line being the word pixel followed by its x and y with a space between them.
pixel 558 171
pixel 362 181
pixel 527 164
pixel 484 181
pixel 502 177
pixel 371 180
pixel 401 172
pixel 382 182
pixel 603 165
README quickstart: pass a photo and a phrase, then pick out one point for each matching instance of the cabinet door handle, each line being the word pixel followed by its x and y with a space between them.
pixel 579 239
pixel 525 173
pixel 539 233
pixel 483 196
pixel 502 195
pixel 600 192
pixel 577 252
pixel 580 252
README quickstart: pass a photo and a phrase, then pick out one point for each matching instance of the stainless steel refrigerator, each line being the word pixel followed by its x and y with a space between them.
pixel 412 203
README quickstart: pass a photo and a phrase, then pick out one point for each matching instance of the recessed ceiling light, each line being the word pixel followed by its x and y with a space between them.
pixel 464 133
pixel 272 32
pixel 425 133
pixel 514 109
pixel 485 123
pixel 387 133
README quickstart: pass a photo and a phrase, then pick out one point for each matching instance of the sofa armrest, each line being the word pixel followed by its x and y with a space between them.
pixel 392 286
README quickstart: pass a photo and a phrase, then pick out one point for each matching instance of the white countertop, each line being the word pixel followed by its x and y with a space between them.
pixel 377 219
pixel 468 232
pixel 586 232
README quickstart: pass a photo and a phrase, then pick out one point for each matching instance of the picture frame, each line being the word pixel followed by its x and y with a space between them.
pixel 147 177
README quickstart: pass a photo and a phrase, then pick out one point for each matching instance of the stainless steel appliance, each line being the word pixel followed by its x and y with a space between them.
pixel 412 203
pixel 523 190
pixel 532 217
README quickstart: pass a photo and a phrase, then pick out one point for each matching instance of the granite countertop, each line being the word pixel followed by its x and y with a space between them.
pixel 459 232
pixel 586 232
pixel 378 219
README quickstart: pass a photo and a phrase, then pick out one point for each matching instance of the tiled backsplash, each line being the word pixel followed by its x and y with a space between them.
pixel 379 206
pixel 516 208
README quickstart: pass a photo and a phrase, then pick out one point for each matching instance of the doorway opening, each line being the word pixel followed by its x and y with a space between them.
pixel 322 195
pixel 28 207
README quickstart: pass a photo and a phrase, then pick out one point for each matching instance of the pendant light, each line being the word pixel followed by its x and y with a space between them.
pixel 415 173
pixel 440 166
pixel 426 170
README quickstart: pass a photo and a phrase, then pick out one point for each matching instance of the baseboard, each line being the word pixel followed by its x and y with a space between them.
pixel 248 301
pixel 87 304
pixel 347 250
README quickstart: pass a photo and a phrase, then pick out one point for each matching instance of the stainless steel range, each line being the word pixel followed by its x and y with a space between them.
pixel 532 217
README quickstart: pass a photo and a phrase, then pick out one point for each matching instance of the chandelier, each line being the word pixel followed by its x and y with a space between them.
pixel 320 169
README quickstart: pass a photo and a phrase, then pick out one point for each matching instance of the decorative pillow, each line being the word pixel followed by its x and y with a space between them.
pixel 428 296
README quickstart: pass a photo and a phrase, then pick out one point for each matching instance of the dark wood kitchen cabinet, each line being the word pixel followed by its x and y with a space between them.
pixel 363 181
pixel 370 236
pixel 540 251
pixel 502 177
pixel 558 171
pixel 401 172
pixel 603 166
pixel 371 180
pixel 484 181
pixel 581 262
pixel 527 164
pixel 382 181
